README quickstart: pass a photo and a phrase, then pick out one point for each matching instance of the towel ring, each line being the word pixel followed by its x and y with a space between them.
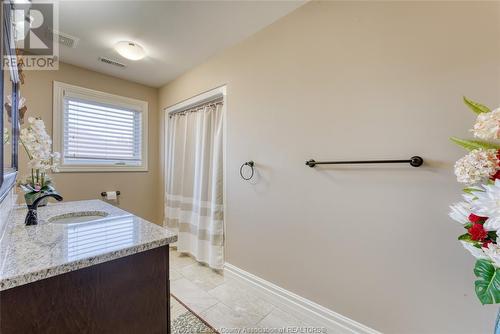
pixel 250 164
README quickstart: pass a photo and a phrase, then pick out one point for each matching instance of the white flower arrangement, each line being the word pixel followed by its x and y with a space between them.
pixel 38 146
pixel 479 212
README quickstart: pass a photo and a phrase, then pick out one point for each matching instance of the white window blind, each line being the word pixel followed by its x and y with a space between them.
pixel 99 133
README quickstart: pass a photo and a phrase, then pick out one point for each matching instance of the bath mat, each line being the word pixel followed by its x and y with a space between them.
pixel 184 321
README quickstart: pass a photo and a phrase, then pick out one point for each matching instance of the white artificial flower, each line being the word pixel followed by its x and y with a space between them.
pixel 470 197
pixel 487 204
pixel 493 253
pixel 478 253
pixel 38 144
pixel 460 212
pixel 487 126
pixel 477 166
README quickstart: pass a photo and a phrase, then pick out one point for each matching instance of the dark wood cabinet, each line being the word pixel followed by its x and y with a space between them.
pixel 129 295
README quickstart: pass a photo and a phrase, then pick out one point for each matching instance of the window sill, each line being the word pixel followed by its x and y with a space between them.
pixel 88 169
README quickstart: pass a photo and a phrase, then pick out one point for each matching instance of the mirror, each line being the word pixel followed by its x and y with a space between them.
pixel 7 125
pixel 9 92
pixel 10 132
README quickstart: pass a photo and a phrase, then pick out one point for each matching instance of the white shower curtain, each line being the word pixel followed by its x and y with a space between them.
pixel 194 182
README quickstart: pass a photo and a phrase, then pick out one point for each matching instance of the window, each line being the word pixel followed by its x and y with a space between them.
pixel 96 131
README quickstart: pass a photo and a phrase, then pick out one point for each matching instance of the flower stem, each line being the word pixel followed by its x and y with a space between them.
pixel 26 149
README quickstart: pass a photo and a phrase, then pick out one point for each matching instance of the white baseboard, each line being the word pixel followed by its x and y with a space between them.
pixel 302 308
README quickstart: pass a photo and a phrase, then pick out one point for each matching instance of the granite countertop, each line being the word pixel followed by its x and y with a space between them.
pixel 32 253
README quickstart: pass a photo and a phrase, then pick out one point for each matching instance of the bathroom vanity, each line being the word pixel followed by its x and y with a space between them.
pixel 88 267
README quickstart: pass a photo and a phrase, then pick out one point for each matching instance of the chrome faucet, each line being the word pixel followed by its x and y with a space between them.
pixel 32 216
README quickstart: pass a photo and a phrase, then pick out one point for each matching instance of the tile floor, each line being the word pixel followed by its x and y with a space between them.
pixel 220 301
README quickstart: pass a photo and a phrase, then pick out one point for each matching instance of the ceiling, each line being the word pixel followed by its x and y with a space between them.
pixel 176 35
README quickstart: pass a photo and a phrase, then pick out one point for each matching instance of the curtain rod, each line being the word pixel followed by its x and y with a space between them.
pixel 197 104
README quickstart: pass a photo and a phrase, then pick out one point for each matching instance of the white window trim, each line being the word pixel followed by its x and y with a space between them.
pixel 58 126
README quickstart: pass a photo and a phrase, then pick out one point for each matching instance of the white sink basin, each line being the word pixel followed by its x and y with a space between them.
pixel 77 217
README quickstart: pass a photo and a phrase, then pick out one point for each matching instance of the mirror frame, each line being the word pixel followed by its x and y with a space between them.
pixel 8 177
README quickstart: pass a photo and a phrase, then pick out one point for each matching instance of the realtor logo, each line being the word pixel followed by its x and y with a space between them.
pixel 33 35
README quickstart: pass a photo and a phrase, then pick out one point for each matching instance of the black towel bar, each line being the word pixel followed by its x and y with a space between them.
pixel 415 161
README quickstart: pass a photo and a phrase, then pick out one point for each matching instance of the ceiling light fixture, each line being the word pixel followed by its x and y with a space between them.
pixel 130 50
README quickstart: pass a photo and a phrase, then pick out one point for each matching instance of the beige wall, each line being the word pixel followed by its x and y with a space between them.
pixel 138 189
pixel 357 80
